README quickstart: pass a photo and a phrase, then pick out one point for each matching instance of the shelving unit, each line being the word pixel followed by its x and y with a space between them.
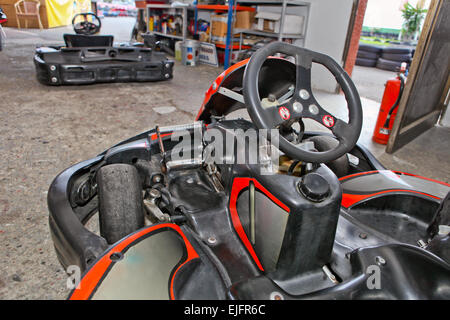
pixel 284 6
pixel 196 8
pixel 183 10
pixel 230 9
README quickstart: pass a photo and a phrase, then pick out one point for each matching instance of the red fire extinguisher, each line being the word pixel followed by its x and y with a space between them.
pixel 388 109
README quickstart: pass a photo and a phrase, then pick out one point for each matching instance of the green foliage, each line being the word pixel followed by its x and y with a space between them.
pixel 413 17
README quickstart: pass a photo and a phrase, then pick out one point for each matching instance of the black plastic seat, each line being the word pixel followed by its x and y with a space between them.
pixel 80 40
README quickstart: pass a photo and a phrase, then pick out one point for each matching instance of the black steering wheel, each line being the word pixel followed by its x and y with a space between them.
pixel 85 26
pixel 303 104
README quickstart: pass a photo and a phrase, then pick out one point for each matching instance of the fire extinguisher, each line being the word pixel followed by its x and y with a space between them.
pixel 388 109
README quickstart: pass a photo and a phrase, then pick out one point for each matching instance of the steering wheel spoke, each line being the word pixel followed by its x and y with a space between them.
pixel 315 111
pixel 303 82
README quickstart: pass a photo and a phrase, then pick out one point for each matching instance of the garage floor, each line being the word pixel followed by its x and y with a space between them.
pixel 46 129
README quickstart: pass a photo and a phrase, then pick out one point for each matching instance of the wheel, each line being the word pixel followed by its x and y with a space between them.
pixel 388 65
pixel 369 48
pixel 340 166
pixel 368 55
pixel 400 57
pixel 120 201
pixel 366 62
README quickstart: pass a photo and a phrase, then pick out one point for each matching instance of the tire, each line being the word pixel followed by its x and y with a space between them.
pixel 369 48
pixel 396 50
pixel 366 62
pixel 367 55
pixel 340 166
pixel 388 65
pixel 397 57
pixel 120 201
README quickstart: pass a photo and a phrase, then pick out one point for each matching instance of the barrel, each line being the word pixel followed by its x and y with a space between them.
pixel 190 52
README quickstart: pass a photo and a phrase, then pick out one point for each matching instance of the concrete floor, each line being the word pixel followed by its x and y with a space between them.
pixel 46 129
pixel 370 82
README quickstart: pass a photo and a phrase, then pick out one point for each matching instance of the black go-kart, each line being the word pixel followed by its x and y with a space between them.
pixel 87 58
pixel 281 213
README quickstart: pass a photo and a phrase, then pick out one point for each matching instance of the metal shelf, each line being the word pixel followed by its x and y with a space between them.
pixel 274 2
pixel 234 47
pixel 167 6
pixel 269 34
pixel 168 35
pixel 223 7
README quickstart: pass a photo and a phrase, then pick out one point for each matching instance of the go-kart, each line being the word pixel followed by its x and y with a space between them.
pixel 87 58
pixel 311 216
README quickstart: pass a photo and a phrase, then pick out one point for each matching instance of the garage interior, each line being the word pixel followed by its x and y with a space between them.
pixel 46 129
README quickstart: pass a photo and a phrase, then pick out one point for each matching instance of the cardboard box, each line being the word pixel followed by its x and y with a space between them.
pixel 244 19
pixel 219 25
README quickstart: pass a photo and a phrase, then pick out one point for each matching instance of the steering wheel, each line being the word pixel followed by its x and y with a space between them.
pixel 303 104
pixel 86 27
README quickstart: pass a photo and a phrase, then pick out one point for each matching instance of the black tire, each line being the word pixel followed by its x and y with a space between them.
pixel 397 57
pixel 340 166
pixel 388 65
pixel 366 62
pixel 367 55
pixel 396 50
pixel 120 201
pixel 369 48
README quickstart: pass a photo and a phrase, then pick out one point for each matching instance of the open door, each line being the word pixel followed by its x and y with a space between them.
pixel 428 80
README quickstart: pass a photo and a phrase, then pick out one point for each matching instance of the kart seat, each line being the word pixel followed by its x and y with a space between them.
pixel 81 40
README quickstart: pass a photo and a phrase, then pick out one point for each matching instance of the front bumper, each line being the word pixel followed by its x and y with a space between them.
pixel 66 66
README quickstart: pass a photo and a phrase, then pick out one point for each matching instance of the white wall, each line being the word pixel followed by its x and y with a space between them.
pixel 445 118
pixel 327 31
